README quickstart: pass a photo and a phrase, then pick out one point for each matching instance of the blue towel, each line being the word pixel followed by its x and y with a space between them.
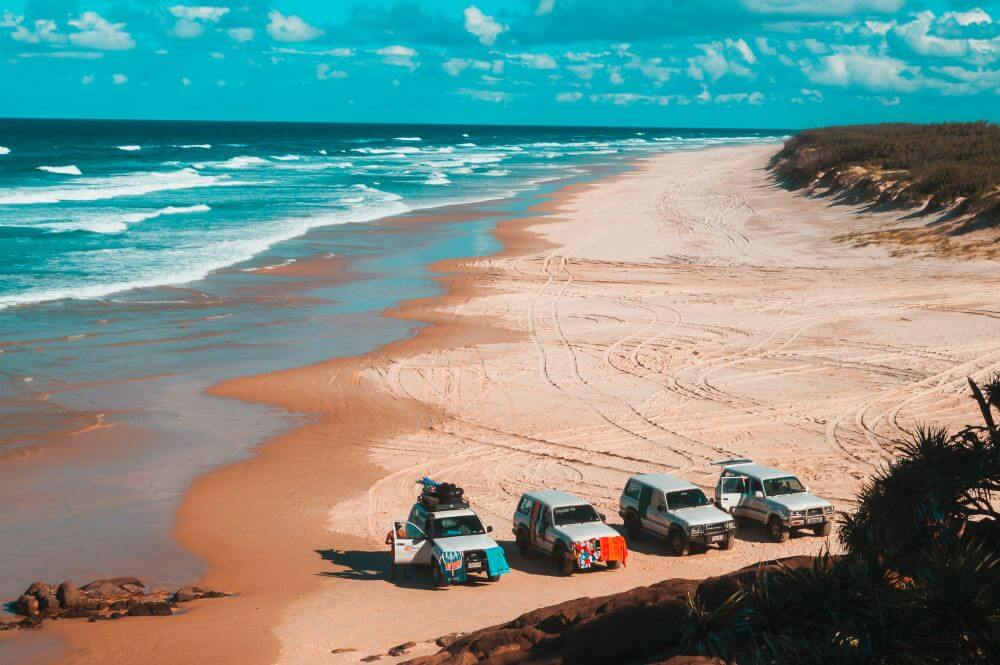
pixel 496 562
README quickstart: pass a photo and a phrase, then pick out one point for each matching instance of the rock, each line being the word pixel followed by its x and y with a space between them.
pixel 448 640
pixel 26 606
pixel 103 589
pixel 343 650
pixel 38 589
pixel 70 596
pixel 49 604
pixel 187 594
pixel 159 608
pixel 401 649
pixel 371 659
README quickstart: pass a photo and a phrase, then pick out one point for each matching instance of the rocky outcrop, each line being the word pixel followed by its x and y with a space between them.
pixel 640 625
pixel 99 600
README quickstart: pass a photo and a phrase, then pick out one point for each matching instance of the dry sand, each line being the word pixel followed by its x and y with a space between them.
pixel 685 311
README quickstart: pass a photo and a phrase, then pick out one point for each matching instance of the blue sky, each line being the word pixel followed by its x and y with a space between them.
pixel 709 63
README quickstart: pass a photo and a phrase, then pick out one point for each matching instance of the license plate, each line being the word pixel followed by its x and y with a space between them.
pixel 714 539
pixel 814 520
pixel 475 565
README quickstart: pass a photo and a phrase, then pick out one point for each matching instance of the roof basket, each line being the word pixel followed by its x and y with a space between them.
pixel 732 462
pixel 441 496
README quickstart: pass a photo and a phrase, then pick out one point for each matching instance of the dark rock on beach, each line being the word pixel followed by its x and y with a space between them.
pixel 98 600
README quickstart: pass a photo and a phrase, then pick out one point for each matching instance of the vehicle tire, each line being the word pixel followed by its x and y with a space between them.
pixel 523 544
pixel 823 530
pixel 437 575
pixel 493 578
pixel 679 543
pixel 777 530
pixel 614 565
pixel 727 543
pixel 632 526
pixel 564 565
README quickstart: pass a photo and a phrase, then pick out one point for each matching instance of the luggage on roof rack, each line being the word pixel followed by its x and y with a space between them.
pixel 442 496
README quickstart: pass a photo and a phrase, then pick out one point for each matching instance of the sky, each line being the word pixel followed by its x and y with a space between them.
pixel 671 63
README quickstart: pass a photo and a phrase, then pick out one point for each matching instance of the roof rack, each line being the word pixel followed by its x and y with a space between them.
pixel 732 462
pixel 441 496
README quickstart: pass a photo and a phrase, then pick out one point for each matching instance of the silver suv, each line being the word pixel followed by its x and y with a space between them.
pixel 669 507
pixel 772 497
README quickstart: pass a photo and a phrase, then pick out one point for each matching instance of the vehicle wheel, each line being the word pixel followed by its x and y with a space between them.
pixel 727 543
pixel 777 530
pixel 632 526
pixel 493 578
pixel 614 565
pixel 523 544
pixel 823 529
pixel 564 565
pixel 680 545
pixel 437 574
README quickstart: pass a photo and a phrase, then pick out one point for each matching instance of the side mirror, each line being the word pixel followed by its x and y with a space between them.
pixel 604 518
pixel 758 494
pixel 489 529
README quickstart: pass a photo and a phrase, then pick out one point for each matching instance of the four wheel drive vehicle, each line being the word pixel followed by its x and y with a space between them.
pixel 772 497
pixel 443 532
pixel 568 529
pixel 668 506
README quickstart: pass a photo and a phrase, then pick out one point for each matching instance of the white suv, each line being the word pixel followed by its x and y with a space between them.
pixel 772 497
pixel 442 531
pixel 568 529
pixel 667 506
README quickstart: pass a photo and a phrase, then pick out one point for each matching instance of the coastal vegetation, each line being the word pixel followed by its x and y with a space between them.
pixel 945 167
pixel 920 579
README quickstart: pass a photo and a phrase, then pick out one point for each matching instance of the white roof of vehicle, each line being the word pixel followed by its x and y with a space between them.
pixel 664 482
pixel 757 471
pixel 556 498
pixel 448 513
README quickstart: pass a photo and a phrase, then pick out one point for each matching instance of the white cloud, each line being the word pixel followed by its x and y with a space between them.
pixel 586 72
pixel 185 81
pixel 569 97
pixel 873 72
pixel 485 95
pixel 744 50
pixel 888 101
pixel 119 79
pixel 765 47
pixel 325 72
pixel 87 80
pixel 455 66
pixel 290 28
pixel 615 76
pixel 398 56
pixel 44 30
pixel 628 98
pixel 651 68
pixel 484 27
pixel 917 35
pixel 95 32
pixel 545 7
pixel 240 35
pixel 971 17
pixel 534 60
pixel 190 20
pixel 710 62
pixel 824 8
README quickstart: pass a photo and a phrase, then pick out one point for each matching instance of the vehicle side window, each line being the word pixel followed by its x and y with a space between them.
pixel 633 489
pixel 734 485
pixel 755 486
pixel 544 520
pixel 660 502
pixel 419 518
pixel 525 506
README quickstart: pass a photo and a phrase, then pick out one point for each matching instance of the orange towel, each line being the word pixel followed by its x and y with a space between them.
pixel 614 549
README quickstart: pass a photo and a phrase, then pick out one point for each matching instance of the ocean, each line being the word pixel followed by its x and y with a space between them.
pixel 143 262
pixel 89 209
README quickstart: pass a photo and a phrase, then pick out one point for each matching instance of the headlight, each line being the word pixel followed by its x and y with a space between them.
pixel 731 524
pixel 798 513
pixel 697 530
pixel 827 509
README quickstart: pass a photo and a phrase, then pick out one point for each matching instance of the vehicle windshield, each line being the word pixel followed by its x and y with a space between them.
pixel 686 499
pixel 779 486
pixel 457 525
pixel 575 514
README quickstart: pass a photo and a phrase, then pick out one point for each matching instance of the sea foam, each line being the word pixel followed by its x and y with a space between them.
pixel 4 150
pixel 129 148
pixel 98 189
pixel 69 169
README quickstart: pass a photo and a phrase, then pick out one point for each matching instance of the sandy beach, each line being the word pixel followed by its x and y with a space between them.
pixel 686 310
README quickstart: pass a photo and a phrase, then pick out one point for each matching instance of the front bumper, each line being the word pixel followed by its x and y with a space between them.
pixel 712 535
pixel 811 518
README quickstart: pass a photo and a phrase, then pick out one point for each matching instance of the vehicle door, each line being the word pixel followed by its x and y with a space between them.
pixel 658 515
pixel 410 545
pixel 730 492
pixel 544 533
pixel 522 515
pixel 645 498
pixel 754 504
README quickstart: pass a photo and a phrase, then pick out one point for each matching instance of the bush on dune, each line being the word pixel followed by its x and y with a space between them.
pixel 920 580
pixel 940 164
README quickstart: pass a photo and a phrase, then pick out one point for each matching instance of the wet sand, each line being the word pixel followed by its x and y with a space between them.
pixel 681 312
